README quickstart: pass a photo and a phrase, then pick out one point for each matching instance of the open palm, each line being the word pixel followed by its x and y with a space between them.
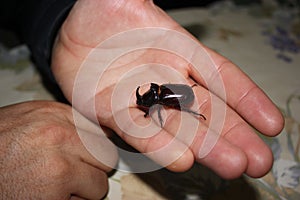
pixel 85 67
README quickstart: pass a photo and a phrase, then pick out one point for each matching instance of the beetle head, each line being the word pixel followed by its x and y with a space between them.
pixel 149 98
pixel 154 88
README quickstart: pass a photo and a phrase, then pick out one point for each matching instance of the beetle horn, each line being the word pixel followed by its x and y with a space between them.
pixel 138 96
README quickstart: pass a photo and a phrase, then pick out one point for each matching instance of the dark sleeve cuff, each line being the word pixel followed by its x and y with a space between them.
pixel 40 21
pixel 173 4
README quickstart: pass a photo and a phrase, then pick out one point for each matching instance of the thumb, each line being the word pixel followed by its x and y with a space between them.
pixel 99 150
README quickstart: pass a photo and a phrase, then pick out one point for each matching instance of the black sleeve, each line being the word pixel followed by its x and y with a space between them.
pixel 38 23
pixel 173 4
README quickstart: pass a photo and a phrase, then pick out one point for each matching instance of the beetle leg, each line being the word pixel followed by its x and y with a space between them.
pixel 193 112
pixel 203 117
pixel 159 116
pixel 145 110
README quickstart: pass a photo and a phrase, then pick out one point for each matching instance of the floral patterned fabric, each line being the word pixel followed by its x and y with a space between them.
pixel 264 40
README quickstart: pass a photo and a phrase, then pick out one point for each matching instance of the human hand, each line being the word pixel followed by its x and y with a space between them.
pixel 238 149
pixel 42 156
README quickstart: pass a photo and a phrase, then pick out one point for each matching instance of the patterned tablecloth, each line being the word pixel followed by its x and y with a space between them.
pixel 265 43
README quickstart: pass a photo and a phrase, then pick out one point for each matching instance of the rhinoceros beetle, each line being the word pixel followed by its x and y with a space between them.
pixel 177 96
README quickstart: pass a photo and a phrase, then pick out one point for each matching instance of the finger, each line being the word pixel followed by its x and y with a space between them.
pixel 98 151
pixel 234 138
pixel 208 147
pixel 153 141
pixel 242 94
pixel 225 159
pixel 89 182
pixel 259 155
pixel 91 144
pixel 238 133
pixel 234 151
pixel 89 179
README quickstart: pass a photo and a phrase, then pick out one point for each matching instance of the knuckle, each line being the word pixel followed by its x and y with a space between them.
pixel 50 110
pixel 53 134
pixel 52 124
pixel 58 168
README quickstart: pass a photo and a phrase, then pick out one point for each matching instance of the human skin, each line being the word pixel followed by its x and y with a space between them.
pixel 238 150
pixel 42 156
